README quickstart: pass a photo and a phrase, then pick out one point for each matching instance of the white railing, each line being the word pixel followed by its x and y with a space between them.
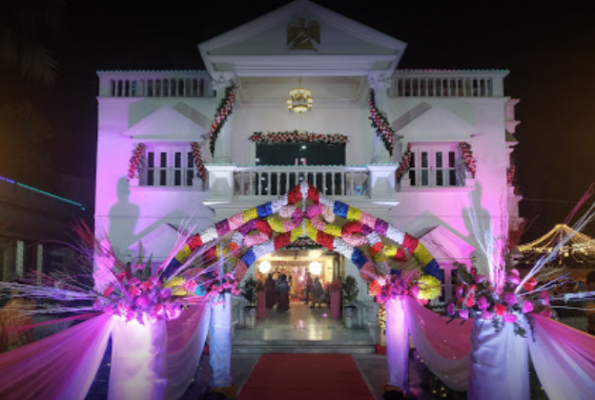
pixel 436 83
pixel 278 180
pixel 155 84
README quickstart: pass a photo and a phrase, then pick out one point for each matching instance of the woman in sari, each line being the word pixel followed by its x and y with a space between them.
pixel 270 289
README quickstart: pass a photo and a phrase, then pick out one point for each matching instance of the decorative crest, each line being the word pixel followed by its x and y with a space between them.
pixel 300 37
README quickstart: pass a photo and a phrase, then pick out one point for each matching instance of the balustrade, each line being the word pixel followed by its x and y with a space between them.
pixel 278 180
pixel 448 83
pixel 155 84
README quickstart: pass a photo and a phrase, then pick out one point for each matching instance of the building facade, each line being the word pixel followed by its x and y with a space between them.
pixel 447 176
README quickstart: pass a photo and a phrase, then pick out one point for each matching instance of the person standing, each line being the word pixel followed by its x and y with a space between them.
pixel 270 290
pixel 308 286
pixel 317 293
pixel 283 291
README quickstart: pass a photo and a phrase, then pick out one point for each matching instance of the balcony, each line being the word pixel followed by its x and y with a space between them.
pixel 279 180
pixel 374 182
pixel 155 84
pixel 448 83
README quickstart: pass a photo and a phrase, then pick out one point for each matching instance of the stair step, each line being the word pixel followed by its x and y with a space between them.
pixel 289 348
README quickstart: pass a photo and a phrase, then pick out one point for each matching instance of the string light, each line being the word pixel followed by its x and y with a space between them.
pixel 2 178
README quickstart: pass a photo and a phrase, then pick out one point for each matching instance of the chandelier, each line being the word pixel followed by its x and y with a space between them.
pixel 300 100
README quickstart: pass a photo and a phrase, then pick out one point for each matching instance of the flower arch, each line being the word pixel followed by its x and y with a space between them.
pixel 304 212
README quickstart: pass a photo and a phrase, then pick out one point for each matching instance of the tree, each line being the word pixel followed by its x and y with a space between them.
pixel 25 26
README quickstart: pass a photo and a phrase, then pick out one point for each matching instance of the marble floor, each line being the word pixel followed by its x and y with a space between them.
pixel 301 323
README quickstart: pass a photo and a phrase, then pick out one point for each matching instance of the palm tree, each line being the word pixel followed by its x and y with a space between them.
pixel 25 25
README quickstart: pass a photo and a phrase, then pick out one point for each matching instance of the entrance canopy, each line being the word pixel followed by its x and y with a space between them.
pixel 373 245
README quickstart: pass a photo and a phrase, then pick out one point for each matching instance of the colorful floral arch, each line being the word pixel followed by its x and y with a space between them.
pixel 305 212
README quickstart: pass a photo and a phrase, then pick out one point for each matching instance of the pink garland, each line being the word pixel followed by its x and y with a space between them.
pixel 197 155
pixel 295 136
pixel 468 157
pixel 135 160
pixel 221 115
pixel 383 129
pixel 405 163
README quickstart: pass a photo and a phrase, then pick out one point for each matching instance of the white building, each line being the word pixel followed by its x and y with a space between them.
pixel 434 111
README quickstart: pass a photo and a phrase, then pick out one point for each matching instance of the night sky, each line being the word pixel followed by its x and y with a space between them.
pixel 549 52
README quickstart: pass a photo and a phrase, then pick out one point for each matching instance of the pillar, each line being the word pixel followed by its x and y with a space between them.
pixel 397 344
pixel 220 345
pixel 223 143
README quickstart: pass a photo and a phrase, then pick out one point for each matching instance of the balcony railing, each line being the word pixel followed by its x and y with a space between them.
pixel 437 83
pixel 278 180
pixel 155 84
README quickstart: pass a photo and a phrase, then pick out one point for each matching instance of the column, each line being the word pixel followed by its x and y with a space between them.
pixel 397 345
pixel 223 144
pixel 380 84
pixel 220 345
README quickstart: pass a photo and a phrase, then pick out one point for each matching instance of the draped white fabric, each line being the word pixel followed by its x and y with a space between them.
pixel 499 367
pixel 186 338
pixel 564 359
pixel 138 361
pixel 220 341
pixel 397 343
pixel 443 346
pixel 61 366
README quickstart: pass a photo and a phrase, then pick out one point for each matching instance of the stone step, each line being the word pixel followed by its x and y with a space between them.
pixel 307 348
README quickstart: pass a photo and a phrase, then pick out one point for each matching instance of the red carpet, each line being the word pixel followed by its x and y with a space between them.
pixel 305 377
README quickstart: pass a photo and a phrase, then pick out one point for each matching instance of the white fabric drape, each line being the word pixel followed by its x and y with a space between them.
pixel 220 341
pixel 444 347
pixel 564 359
pixel 186 338
pixel 499 367
pixel 138 361
pixel 397 343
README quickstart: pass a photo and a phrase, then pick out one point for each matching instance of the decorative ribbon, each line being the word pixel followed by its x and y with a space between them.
pixel 136 159
pixel 197 155
pixel 405 163
pixel 295 136
pixel 468 157
pixel 223 112
pixel 383 129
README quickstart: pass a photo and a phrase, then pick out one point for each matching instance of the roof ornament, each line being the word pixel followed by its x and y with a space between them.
pixel 300 37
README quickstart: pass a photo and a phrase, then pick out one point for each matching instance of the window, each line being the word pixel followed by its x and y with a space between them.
pixel 168 165
pixel 300 153
pixel 436 164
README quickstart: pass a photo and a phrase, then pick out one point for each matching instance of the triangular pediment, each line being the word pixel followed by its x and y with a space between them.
pixel 436 124
pixel 260 47
pixel 166 123
pixel 445 246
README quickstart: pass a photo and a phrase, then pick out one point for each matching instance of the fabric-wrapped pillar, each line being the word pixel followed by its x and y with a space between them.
pixel 220 342
pixel 499 363
pixel 138 361
pixel 397 343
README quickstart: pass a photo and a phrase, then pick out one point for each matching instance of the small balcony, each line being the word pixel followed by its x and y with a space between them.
pixel 279 180
pixel 374 182
pixel 155 84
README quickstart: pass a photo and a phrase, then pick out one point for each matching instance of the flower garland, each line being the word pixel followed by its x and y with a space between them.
pixel 380 123
pixel 221 115
pixel 136 160
pixel 405 163
pixel 470 162
pixel 476 297
pixel 422 289
pixel 298 137
pixel 280 233
pixel 197 156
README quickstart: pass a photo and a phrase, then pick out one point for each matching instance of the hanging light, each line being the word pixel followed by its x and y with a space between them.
pixel 264 267
pixel 300 100
pixel 315 268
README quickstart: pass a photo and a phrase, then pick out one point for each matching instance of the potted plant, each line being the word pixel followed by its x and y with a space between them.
pixel 249 292
pixel 350 292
